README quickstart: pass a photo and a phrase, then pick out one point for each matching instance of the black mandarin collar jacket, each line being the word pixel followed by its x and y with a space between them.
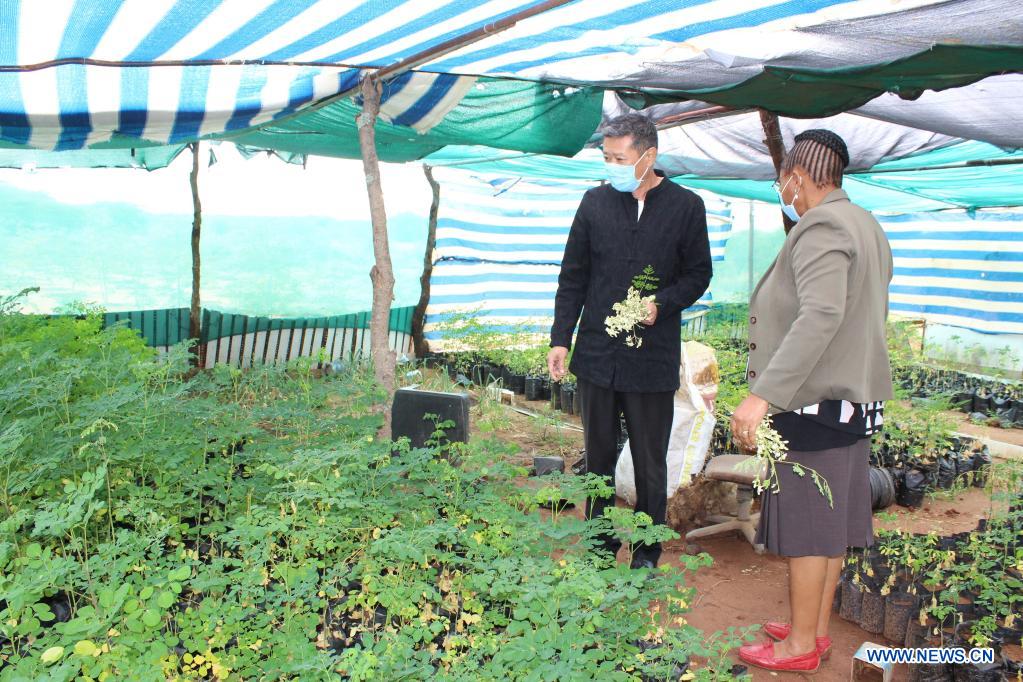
pixel 607 246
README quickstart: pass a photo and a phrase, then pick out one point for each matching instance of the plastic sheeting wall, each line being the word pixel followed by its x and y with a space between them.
pixel 499 248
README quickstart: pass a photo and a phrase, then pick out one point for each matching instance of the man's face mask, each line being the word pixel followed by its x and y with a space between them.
pixel 623 178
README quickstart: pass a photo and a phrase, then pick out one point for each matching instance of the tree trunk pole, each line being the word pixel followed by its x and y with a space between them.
pixel 381 273
pixel 419 316
pixel 194 328
pixel 776 146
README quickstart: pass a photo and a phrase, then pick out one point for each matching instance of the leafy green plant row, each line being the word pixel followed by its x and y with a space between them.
pixel 972 578
pixel 247 525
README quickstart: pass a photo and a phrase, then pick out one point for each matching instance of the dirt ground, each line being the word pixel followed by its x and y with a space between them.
pixel 742 588
pixel 964 425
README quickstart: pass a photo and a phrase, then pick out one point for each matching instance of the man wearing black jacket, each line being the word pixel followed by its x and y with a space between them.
pixel 639 219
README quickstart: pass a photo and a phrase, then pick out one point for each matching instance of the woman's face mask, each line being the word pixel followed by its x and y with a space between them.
pixel 788 209
pixel 623 178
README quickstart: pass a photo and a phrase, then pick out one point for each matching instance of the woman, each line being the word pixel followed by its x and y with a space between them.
pixel 818 363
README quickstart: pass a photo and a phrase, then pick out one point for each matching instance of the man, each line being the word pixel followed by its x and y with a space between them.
pixel 640 219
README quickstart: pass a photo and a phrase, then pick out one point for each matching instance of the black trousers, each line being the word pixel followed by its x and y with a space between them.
pixel 648 418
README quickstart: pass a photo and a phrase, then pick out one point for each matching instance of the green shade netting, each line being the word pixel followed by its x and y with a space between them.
pixel 147 158
pixel 911 191
pixel 516 115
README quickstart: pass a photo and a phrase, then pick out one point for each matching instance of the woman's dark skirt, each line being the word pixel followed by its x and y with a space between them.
pixel 797 521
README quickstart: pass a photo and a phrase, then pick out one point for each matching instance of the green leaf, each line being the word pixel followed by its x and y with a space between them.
pixel 166 600
pixel 180 573
pixel 29 625
pixel 151 618
pixel 53 654
pixel 86 648
pixel 146 592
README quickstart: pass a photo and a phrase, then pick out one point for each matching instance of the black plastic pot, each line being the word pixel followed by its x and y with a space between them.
pixel 516 383
pixel 546 390
pixel 947 470
pixel 568 398
pixel 981 467
pixel 914 486
pixel 961 636
pixel 963 401
pixel 927 672
pixel 899 608
pixel 965 468
pixel 965 608
pixel 1012 660
pixel 1009 636
pixel 60 606
pixel 981 401
pixel 533 388
pixel 556 395
pixel 898 474
pixel 1010 413
pixel 852 602
pixel 916 634
pixel 984 672
pixel 872 612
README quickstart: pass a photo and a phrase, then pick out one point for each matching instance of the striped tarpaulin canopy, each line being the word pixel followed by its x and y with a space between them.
pixel 77 73
pixel 960 269
pixel 499 247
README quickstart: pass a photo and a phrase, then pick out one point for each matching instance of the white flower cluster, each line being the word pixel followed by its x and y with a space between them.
pixel 628 316
pixel 772 450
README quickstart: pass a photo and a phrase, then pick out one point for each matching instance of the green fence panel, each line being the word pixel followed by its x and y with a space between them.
pixel 163 327
pixel 166 327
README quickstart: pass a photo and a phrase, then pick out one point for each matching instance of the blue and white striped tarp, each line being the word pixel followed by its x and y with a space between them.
pixel 499 247
pixel 80 72
pixel 957 269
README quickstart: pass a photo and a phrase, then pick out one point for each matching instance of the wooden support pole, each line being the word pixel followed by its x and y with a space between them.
pixel 419 316
pixel 194 319
pixel 776 146
pixel 382 273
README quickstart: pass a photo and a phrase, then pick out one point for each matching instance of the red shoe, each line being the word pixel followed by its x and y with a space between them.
pixel 762 656
pixel 779 631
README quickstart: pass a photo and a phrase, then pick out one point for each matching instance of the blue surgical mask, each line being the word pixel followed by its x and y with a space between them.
pixel 789 209
pixel 623 178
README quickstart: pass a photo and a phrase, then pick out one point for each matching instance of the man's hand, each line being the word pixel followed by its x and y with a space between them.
pixel 746 419
pixel 556 362
pixel 652 317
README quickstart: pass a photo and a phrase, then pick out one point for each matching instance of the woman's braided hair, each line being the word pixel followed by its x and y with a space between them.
pixel 821 153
